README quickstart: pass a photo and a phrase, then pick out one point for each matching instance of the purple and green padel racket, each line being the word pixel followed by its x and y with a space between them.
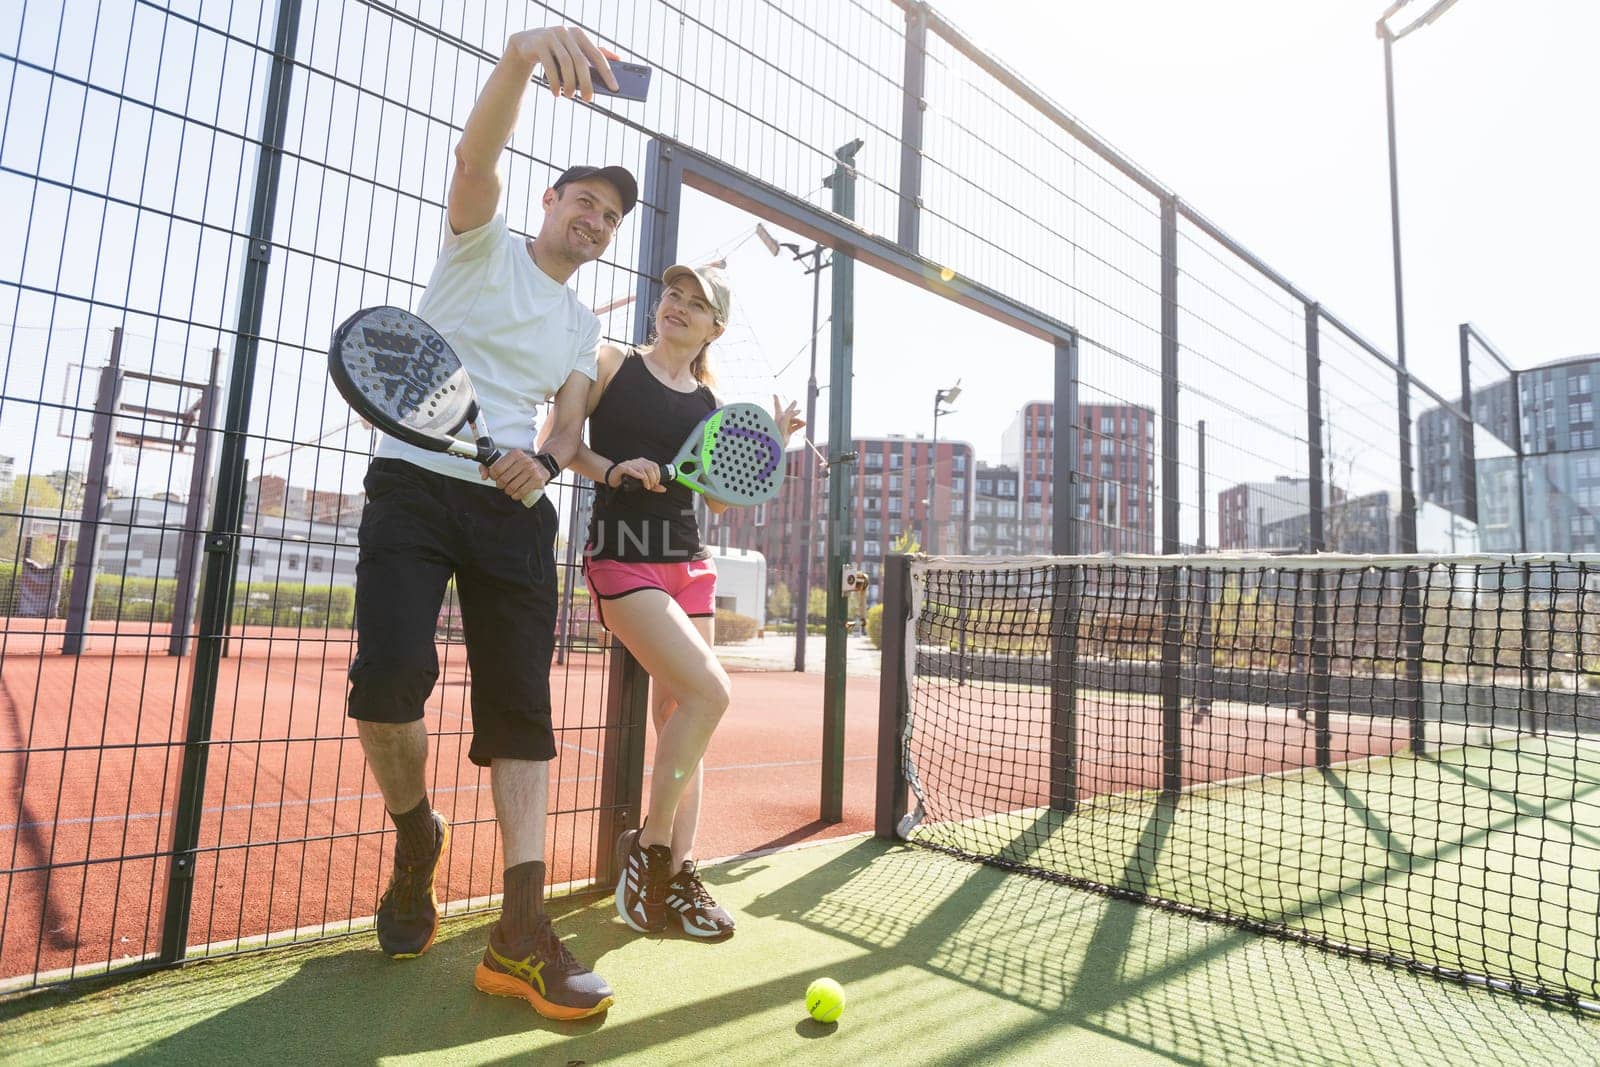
pixel 735 456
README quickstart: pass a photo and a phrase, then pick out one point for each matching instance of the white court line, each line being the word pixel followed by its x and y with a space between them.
pixel 347 797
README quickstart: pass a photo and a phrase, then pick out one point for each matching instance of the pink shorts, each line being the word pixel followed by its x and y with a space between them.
pixel 692 583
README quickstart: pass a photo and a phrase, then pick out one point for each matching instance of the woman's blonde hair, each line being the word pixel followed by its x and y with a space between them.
pixel 701 367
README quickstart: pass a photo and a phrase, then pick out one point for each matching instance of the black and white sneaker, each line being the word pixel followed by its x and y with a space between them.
pixel 642 883
pixel 692 906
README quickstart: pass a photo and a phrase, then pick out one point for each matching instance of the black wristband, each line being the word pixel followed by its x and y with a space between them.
pixel 549 463
pixel 607 479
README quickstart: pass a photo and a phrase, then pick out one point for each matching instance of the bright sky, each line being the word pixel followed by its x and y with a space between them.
pixel 1268 118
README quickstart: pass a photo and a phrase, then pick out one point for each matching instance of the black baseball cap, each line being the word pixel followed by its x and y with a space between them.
pixel 619 178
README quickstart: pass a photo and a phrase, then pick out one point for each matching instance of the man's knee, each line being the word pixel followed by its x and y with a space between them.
pixel 390 688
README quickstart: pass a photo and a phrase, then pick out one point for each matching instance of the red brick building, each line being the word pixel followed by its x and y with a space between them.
pixel 896 481
pixel 1116 506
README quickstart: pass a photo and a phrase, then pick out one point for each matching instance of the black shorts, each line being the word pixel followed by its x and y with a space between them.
pixel 418 529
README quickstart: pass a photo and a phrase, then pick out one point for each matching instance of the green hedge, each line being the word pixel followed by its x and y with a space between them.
pixel 131 599
pixel 875 625
pixel 254 603
pixel 119 599
pixel 733 628
pixel 311 606
pixel 122 599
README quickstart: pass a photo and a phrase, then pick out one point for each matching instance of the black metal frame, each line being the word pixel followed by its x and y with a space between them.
pixel 893 696
pixel 222 542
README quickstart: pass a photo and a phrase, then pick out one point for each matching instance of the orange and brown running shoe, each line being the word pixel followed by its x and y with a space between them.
pixel 543 972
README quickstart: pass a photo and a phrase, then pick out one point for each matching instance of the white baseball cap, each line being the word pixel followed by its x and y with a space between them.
pixel 713 286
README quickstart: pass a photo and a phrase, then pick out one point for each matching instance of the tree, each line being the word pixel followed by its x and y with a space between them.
pixel 817 605
pixel 31 493
pixel 905 543
pixel 780 602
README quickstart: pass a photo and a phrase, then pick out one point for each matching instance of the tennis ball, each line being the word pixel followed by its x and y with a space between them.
pixel 946 274
pixel 825 1000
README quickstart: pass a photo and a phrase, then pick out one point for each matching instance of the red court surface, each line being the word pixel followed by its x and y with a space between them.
pixel 985 750
pixel 293 832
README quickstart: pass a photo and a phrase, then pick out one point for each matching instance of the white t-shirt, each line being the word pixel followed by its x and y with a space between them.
pixel 518 331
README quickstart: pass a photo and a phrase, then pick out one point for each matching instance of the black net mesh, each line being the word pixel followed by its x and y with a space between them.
pixel 1395 758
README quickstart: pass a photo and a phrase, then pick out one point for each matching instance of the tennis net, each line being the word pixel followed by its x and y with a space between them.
pixel 1394 757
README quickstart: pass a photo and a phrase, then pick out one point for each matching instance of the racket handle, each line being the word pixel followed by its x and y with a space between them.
pixel 630 484
pixel 489 455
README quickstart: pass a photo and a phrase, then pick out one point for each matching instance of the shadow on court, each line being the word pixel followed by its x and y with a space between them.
pixel 946 962
pixel 1182 989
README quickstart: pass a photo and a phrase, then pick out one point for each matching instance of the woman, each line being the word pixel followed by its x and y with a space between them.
pixel 654 584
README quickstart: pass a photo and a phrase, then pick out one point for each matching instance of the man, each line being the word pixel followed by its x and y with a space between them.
pixel 503 303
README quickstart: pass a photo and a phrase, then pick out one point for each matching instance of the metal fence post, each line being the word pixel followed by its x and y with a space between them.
pixel 80 594
pixel 912 107
pixel 1408 492
pixel 1167 582
pixel 1066 583
pixel 1411 591
pixel 1205 643
pixel 893 695
pixel 221 543
pixel 841 498
pixel 622 755
pixel 1467 477
pixel 1319 493
pixel 1522 461
pixel 189 540
pixel 1317 490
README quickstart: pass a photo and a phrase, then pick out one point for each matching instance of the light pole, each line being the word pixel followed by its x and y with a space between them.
pixel 943 396
pixel 1408 527
pixel 802 535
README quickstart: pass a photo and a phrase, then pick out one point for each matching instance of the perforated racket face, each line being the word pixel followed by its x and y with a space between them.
pixel 741 455
pixel 395 369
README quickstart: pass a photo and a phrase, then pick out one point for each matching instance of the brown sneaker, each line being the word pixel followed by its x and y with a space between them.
pixel 408 914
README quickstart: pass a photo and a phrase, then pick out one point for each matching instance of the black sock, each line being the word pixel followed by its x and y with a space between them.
pixel 419 833
pixel 524 902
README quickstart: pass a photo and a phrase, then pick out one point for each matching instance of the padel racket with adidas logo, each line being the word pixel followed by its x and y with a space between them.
pixel 735 456
pixel 400 375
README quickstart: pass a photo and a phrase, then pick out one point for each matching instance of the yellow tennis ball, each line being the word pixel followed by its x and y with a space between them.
pixel 825 1000
pixel 946 273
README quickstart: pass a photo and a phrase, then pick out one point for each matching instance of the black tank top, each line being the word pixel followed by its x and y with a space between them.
pixel 637 416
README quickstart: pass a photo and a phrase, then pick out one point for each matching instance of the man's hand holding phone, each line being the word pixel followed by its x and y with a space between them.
pixel 572 65
pixel 633 79
pixel 569 60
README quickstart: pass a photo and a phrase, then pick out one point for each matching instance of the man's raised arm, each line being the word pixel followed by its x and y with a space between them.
pixel 566 55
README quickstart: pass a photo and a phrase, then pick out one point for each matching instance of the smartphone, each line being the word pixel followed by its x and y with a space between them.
pixel 633 80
